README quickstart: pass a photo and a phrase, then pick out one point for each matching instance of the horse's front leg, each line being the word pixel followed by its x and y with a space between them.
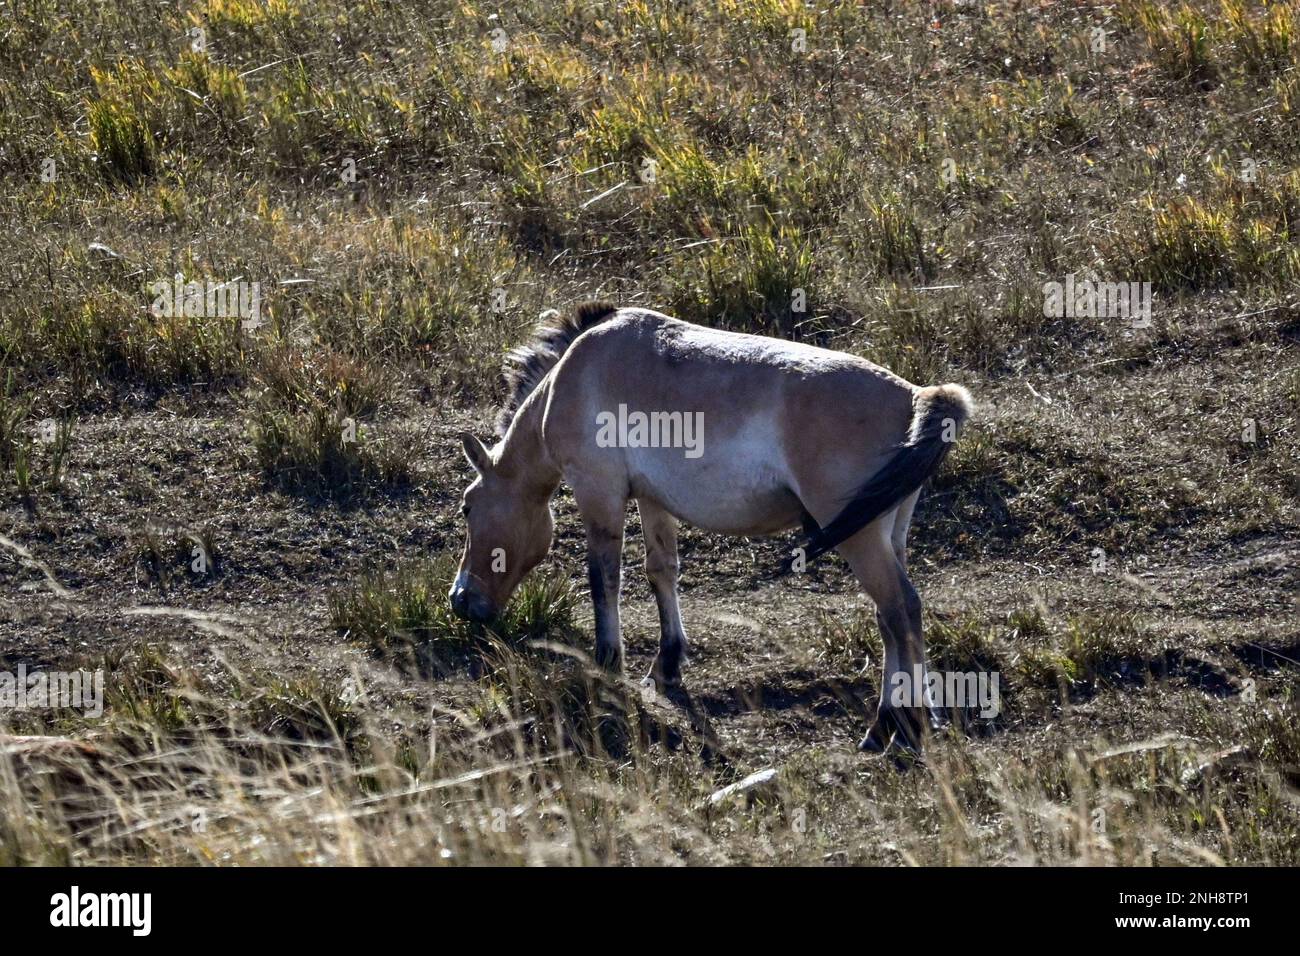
pixel 603 519
pixel 661 565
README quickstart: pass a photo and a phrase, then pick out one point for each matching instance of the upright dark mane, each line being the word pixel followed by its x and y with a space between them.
pixel 527 365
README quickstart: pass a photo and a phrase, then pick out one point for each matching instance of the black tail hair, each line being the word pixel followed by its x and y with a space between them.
pixel 939 412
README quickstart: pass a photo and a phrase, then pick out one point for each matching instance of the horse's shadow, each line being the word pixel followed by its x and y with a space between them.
pixel 697 715
pixel 628 709
pixel 556 684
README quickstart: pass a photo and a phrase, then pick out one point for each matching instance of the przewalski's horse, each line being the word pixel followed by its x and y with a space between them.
pixel 768 435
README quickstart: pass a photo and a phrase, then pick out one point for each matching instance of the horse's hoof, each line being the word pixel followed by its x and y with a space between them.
pixel 938 719
pixel 870 745
pixel 609 657
pixel 876 741
pixel 658 683
pixel 673 691
pixel 896 732
pixel 900 753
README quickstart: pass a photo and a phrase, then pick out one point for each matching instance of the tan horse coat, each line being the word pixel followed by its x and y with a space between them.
pixel 786 434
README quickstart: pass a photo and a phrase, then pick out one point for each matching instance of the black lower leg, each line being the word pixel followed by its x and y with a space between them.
pixel 603 576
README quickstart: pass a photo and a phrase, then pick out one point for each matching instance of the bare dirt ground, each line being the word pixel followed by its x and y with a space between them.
pixel 770 684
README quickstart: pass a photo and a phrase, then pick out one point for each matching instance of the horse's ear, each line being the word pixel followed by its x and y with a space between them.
pixel 476 453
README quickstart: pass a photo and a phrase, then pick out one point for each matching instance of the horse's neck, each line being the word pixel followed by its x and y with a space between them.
pixel 524 451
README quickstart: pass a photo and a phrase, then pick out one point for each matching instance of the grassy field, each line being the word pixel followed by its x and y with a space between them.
pixel 248 522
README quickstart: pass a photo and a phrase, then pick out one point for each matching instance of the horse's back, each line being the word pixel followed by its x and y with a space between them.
pixel 635 339
pixel 763 416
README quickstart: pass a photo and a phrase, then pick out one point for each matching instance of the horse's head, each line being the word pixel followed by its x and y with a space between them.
pixel 510 527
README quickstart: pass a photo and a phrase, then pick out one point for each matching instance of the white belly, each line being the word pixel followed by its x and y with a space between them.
pixel 737 484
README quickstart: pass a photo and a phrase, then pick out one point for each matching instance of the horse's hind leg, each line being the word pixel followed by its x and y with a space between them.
pixel 603 516
pixel 901 717
pixel 661 567
pixel 902 521
pixel 898 539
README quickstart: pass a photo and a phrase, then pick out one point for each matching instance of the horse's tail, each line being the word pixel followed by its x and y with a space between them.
pixel 938 414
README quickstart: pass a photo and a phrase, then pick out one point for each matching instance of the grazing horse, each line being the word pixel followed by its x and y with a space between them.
pixel 733 433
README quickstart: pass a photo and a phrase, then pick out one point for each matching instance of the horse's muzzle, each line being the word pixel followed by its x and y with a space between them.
pixel 470 605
